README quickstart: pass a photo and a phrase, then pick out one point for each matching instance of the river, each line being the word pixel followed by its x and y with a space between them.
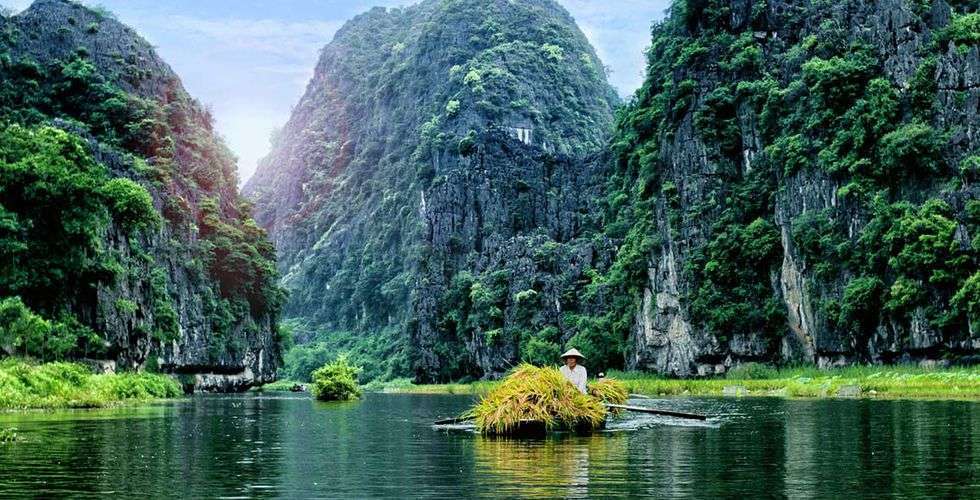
pixel 285 445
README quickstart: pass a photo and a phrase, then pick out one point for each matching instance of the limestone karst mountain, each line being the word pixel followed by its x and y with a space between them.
pixel 123 234
pixel 795 182
pixel 440 149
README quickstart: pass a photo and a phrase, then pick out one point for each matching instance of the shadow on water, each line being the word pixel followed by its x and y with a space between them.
pixel 272 445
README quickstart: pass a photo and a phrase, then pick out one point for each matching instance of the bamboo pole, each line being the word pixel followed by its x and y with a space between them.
pixel 653 411
pixel 453 421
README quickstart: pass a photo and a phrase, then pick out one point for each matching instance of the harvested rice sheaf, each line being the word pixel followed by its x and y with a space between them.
pixel 610 391
pixel 530 393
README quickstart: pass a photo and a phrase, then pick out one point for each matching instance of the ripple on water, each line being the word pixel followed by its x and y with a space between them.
pixel 247 446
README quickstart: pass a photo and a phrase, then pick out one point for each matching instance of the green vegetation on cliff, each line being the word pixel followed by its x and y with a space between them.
pixel 428 189
pixel 117 203
pixel 795 182
pixel 825 108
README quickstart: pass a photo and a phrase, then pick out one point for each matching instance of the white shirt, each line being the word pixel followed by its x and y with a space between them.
pixel 577 376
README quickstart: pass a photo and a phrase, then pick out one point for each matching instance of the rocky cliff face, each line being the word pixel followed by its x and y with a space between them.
pixel 810 172
pixel 795 182
pixel 194 294
pixel 431 191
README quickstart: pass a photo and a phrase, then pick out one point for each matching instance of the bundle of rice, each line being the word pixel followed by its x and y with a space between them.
pixel 539 396
pixel 610 391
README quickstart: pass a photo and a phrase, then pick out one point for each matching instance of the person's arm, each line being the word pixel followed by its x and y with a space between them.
pixel 583 382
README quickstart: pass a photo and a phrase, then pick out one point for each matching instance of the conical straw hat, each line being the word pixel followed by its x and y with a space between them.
pixel 572 352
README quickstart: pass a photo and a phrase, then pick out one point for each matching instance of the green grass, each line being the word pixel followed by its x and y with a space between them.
pixel 29 385
pixel 8 435
pixel 902 381
pixel 405 386
pixel 810 382
pixel 279 386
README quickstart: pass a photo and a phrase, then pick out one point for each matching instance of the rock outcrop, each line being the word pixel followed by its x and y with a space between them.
pixel 448 142
pixel 805 155
pixel 795 182
pixel 175 303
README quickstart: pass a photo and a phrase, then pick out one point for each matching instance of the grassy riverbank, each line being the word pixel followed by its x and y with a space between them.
pixel 279 386
pixel 757 380
pixel 28 385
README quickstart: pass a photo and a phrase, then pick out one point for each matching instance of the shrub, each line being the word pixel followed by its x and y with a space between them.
pixel 467 145
pixel 962 30
pixel 967 299
pixel 540 351
pixel 861 302
pixel 336 381
pixel 553 52
pixel 24 332
pixel 911 149
pixel 130 203
pixel 452 107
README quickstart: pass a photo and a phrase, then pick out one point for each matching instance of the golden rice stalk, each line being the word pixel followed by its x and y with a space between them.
pixel 539 394
pixel 610 391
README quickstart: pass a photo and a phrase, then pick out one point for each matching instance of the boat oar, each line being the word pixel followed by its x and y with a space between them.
pixel 453 421
pixel 669 413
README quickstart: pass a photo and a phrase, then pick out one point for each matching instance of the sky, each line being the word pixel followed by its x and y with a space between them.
pixel 250 60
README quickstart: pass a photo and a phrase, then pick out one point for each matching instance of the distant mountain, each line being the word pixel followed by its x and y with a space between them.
pixel 121 229
pixel 431 194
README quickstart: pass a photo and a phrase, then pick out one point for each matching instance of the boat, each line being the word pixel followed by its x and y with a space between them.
pixel 538 429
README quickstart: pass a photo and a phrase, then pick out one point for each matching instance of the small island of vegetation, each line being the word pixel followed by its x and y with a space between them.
pixel 336 381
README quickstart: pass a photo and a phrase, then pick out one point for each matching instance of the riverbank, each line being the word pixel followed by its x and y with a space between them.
pixel 28 385
pixel 911 382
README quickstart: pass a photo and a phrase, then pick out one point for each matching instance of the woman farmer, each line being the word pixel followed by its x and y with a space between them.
pixel 574 372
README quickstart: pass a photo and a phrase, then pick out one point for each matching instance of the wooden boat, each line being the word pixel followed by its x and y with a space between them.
pixel 538 429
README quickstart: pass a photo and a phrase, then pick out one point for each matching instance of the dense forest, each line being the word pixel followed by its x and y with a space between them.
pixel 794 182
pixel 123 239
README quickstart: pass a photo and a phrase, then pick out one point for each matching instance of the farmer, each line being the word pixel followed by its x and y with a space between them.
pixel 574 372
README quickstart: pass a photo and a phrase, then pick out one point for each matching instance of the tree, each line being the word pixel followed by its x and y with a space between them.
pixel 337 381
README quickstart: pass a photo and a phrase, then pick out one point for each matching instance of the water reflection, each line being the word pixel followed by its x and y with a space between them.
pixel 194 447
pixel 543 468
pixel 290 446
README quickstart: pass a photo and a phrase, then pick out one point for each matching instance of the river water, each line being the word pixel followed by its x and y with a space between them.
pixel 285 445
